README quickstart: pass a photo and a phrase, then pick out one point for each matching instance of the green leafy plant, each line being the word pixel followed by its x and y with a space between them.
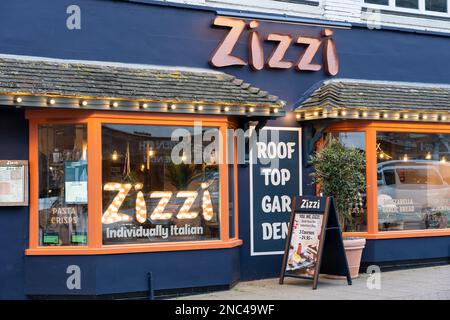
pixel 181 175
pixel 340 172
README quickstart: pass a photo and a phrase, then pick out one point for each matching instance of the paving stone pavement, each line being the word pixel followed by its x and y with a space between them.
pixel 411 284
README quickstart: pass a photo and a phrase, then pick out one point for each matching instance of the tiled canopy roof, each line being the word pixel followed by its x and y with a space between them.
pixel 376 100
pixel 129 82
pixel 379 95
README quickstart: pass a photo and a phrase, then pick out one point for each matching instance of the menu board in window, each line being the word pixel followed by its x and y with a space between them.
pixel 13 182
pixel 75 173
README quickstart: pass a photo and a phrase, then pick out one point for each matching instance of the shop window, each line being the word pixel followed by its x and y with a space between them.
pixel 150 184
pixel 429 7
pixel 148 196
pixel 231 201
pixel 356 140
pixel 382 2
pixel 436 5
pixel 299 1
pixel 410 4
pixel 415 191
pixel 63 194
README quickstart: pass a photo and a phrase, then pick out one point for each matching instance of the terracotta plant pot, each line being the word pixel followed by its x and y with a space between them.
pixel 353 251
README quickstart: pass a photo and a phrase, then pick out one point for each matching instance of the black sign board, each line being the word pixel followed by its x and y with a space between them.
pixel 314 244
pixel 272 188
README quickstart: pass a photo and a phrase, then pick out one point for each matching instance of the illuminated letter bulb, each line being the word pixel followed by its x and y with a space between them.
pixel 207 206
pixel 184 211
pixel 158 213
pixel 112 214
pixel 141 208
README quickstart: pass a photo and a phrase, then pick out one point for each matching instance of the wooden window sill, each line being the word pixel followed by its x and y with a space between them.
pixel 134 248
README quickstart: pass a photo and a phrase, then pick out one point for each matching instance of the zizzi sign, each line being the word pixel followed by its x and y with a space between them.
pixel 224 55
pixel 113 215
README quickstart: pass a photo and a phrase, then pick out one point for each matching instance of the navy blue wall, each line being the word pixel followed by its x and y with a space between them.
pixel 13 220
pixel 125 273
pixel 389 251
pixel 138 33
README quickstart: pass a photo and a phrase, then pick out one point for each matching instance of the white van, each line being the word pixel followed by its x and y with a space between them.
pixel 410 191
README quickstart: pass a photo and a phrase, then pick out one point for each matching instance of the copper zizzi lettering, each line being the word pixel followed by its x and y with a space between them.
pixel 223 56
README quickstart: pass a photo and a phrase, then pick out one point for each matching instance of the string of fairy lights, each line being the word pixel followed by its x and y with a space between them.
pixel 151 105
pixel 377 115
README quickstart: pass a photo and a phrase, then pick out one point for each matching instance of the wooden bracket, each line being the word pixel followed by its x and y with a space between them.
pixel 310 136
pixel 244 125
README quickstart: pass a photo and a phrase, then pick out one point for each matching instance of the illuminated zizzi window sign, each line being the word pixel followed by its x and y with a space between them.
pixel 112 214
pixel 147 197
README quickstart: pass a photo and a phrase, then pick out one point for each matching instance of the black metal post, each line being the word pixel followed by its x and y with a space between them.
pixel 151 292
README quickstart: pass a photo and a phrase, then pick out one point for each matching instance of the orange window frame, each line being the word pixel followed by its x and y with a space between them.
pixel 371 128
pixel 94 121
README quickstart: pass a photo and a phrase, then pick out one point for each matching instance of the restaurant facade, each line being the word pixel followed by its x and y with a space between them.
pixel 94 111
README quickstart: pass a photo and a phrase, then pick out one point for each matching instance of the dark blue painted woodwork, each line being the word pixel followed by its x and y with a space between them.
pixel 160 35
pixel 125 273
pixel 13 220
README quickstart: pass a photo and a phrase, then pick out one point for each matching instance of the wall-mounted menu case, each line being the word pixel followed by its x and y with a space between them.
pixel 13 182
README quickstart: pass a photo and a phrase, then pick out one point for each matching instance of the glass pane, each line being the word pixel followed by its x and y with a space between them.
pixel 356 140
pixel 147 196
pixel 410 4
pixel 382 2
pixel 413 184
pixel 231 207
pixel 436 5
pixel 63 182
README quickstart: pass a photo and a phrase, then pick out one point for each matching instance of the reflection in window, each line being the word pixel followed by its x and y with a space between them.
pixel 149 198
pixel 439 6
pixel 410 4
pixel 413 181
pixel 356 140
pixel 62 185
pixel 389 176
pixel 436 5
pixel 382 2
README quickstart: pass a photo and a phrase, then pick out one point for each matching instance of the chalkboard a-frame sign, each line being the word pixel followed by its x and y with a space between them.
pixel 314 244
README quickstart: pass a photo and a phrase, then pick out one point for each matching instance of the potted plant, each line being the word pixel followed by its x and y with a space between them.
pixel 339 172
